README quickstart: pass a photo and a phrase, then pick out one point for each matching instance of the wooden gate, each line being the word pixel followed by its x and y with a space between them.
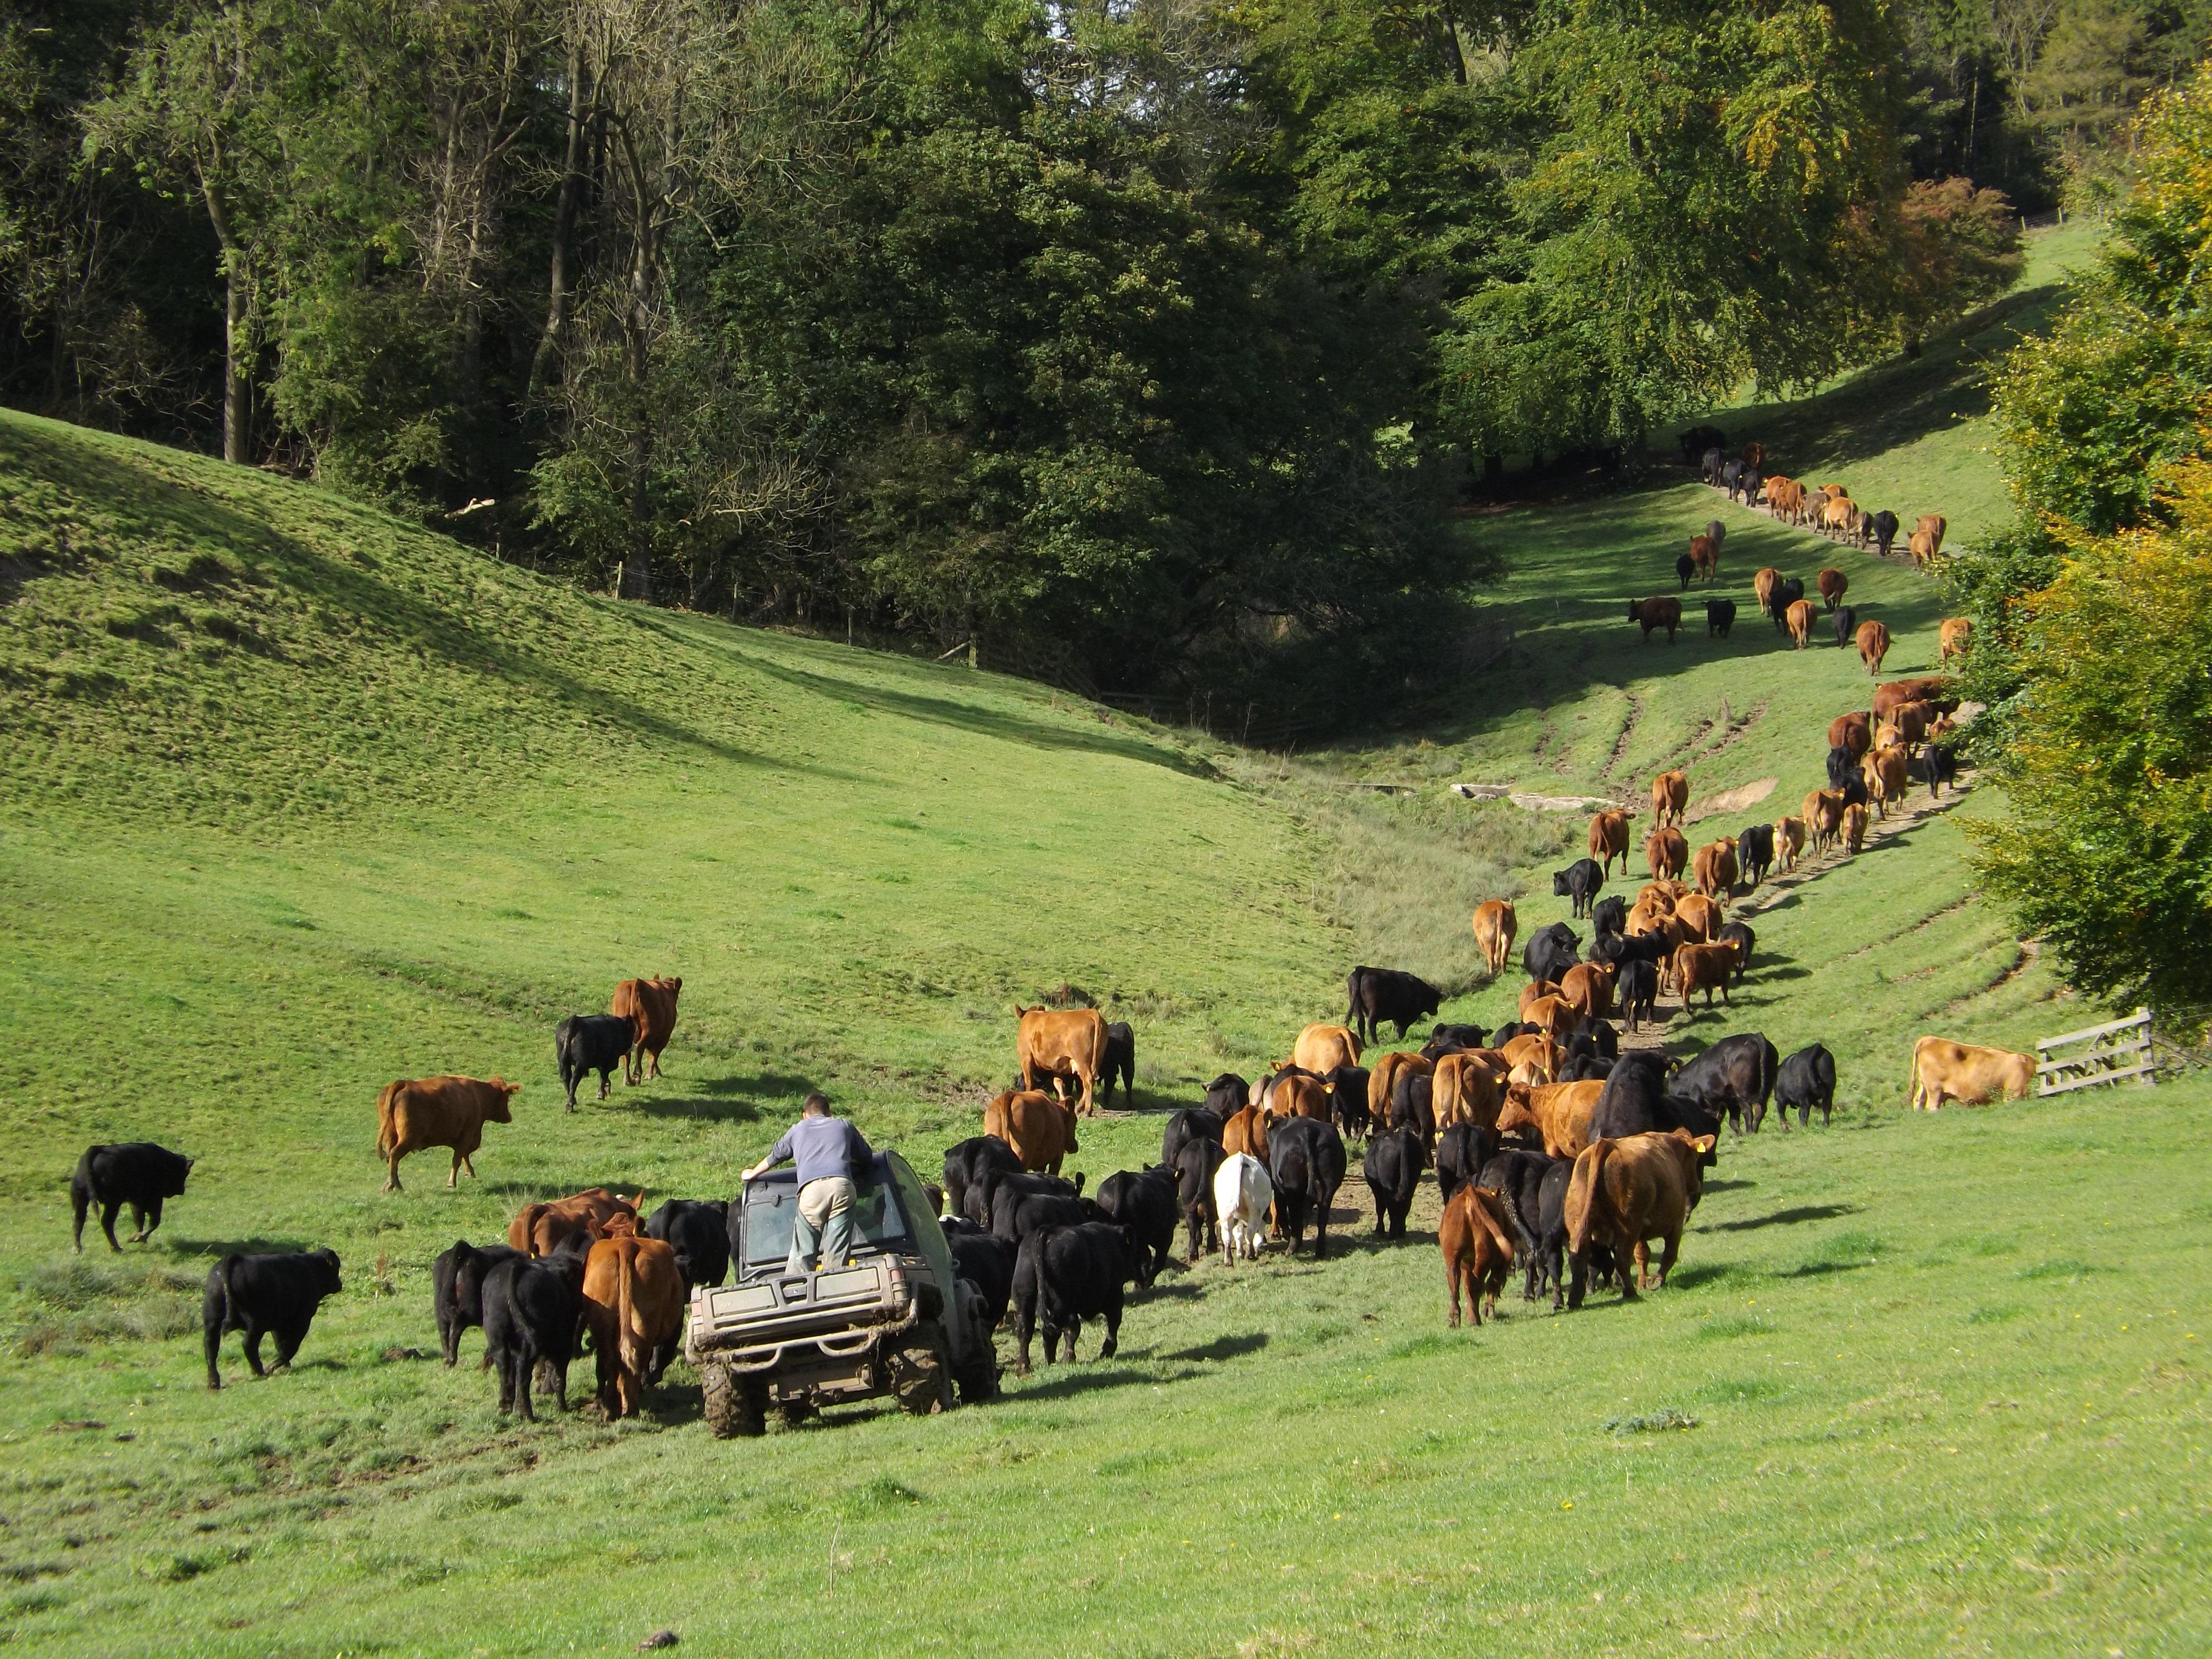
pixel 2110 1053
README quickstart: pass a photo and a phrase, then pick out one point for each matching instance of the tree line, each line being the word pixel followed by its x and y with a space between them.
pixel 1144 344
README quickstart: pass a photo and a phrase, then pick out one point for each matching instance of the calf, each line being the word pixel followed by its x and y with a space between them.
pixel 1478 1251
pixel 1306 1161
pixel 533 1316
pixel 1735 1076
pixel 457 1279
pixel 1806 1080
pixel 698 1230
pixel 1196 1167
pixel 1685 568
pixel 1462 1151
pixel 1624 1192
pixel 1579 882
pixel 1392 1167
pixel 1637 992
pixel 1938 766
pixel 1121 1062
pixel 134 1172
pixel 1065 1275
pixel 1845 624
pixel 1378 994
pixel 988 1263
pixel 1244 1192
pixel 1143 1201
pixel 273 1294
pixel 967 1163
pixel 584 1043
pixel 1720 617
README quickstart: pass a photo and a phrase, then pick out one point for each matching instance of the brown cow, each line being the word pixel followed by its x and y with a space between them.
pixel 1705 968
pixel 1554 1014
pixel 1535 991
pixel 1833 584
pixel 1932 525
pixel 1850 732
pixel 1874 645
pixel 1648 918
pixel 1836 516
pixel 1788 841
pixel 1909 723
pixel 1934 690
pixel 1786 499
pixel 1698 917
pixel 1763 582
pixel 1715 867
pixel 1478 1249
pixel 1666 851
pixel 1609 840
pixel 1322 1049
pixel 1588 989
pixel 1754 454
pixel 1664 611
pixel 1293 1094
pixel 1799 620
pixel 1625 1192
pixel 1921 546
pixel 1495 924
pixel 1955 637
pixel 634 1306
pixel 1705 556
pixel 1824 817
pixel 416 1113
pixel 1040 1129
pixel 1665 892
pixel 1887 777
pixel 1561 1112
pixel 1382 1079
pixel 1246 1131
pixel 1944 1070
pixel 1670 797
pixel 1832 492
pixel 542 1228
pixel 1466 1090
pixel 1060 1044
pixel 649 1005
pixel 1855 827
pixel 1533 1050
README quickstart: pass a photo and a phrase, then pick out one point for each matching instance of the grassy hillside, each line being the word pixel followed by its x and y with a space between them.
pixel 304 799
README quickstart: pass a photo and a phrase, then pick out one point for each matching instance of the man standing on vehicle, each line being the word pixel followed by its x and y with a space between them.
pixel 830 1153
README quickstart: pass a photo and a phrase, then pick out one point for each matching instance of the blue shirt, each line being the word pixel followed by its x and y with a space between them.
pixel 823 1146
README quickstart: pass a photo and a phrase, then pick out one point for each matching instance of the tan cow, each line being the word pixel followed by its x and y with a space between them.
pixel 1705 968
pixel 1932 525
pixel 1666 851
pixel 1665 892
pixel 1464 1089
pixel 1625 1192
pixel 1478 1249
pixel 1535 991
pixel 1495 924
pixel 649 1005
pixel 1699 918
pixel 1824 817
pixel 1040 1129
pixel 1886 776
pixel 1872 639
pixel 1532 1050
pixel 1921 546
pixel 1060 1043
pixel 1894 693
pixel 1561 1112
pixel 1322 1049
pixel 1836 516
pixel 1588 989
pixel 1788 841
pixel 1246 1131
pixel 1944 1070
pixel 1716 868
pixel 417 1113
pixel 1609 840
pixel 1955 637
pixel 1763 582
pixel 634 1307
pixel 542 1228
pixel 1799 620
pixel 1293 1094
pixel 1382 1080
pixel 1670 797
pixel 1855 827
pixel 1554 1014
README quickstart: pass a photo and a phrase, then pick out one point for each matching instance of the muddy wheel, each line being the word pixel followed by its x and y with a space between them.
pixel 920 1380
pixel 735 1407
pixel 794 1413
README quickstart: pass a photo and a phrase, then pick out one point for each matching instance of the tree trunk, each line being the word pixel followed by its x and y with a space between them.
pixel 564 225
pixel 235 408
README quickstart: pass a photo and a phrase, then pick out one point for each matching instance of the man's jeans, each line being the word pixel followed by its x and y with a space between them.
pixel 828 1199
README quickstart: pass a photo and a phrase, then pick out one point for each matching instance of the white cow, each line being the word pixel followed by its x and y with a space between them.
pixel 1242 1195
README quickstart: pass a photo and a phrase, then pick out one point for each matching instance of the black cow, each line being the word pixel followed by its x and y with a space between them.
pixel 1806 1080
pixel 1608 916
pixel 1347 1100
pixel 1462 1151
pixel 1716 532
pixel 583 1043
pixel 1505 1033
pixel 1121 1062
pixel 1885 530
pixel 1065 1275
pixel 1778 600
pixel 534 1317
pixel 1228 1095
pixel 1755 852
pixel 1712 464
pixel 134 1172
pixel 1739 934
pixel 1938 766
pixel 1846 623
pixel 1843 766
pixel 1703 437
pixel 1460 1036
pixel 1307 1159
pixel 1635 1101
pixel 457 1280
pixel 1550 952
pixel 1720 617
pixel 1517 1178
pixel 1606 1037
pixel 988 1263
pixel 983 1196
pixel 1637 991
pixel 1015 1214
pixel 698 1230
pixel 966 1165
pixel 1143 1201
pixel 276 1295
pixel 1392 1167
pixel 1580 881
pixel 1736 1075
pixel 1376 995
pixel 1195 1168
pixel 1189 1124
pixel 1585 1068
pixel 1414 1106
pixel 1685 568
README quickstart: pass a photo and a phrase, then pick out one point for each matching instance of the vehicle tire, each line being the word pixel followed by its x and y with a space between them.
pixel 979 1380
pixel 922 1381
pixel 736 1408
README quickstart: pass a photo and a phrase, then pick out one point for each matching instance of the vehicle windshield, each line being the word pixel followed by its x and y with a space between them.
pixel 771 1205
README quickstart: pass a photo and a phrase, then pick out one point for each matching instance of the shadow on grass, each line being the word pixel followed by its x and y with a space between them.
pixel 1822 1269
pixel 222 1246
pixel 1223 1347
pixel 1072 1381
pixel 1788 1218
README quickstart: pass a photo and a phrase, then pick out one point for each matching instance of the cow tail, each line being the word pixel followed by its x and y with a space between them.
pixel 230 1296
pixel 1351 996
pixel 87 1176
pixel 1579 1241
pixel 1512 1208
pixel 1490 1222
pixel 385 1132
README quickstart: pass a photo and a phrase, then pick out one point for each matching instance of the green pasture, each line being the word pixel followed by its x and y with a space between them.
pixel 300 799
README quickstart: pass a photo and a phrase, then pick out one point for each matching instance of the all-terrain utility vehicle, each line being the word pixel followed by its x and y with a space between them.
pixel 894 1320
